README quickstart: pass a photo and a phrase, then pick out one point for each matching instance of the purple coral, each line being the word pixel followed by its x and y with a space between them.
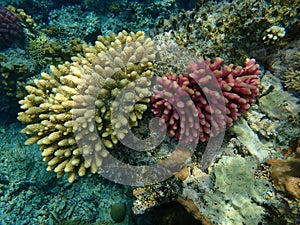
pixel 238 85
pixel 10 29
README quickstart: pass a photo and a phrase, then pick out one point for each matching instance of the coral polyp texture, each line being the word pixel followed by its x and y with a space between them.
pixel 74 102
pixel 10 29
pixel 238 87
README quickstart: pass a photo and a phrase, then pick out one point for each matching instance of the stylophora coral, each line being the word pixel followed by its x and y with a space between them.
pixel 73 104
pixel 191 116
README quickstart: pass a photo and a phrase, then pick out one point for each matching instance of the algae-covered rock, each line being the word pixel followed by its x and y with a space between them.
pixel 118 212
pixel 251 140
pixel 238 196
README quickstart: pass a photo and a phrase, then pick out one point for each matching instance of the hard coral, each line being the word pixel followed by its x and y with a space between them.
pixel 232 29
pixel 24 18
pixel 10 29
pixel 285 63
pixel 183 102
pixel 74 104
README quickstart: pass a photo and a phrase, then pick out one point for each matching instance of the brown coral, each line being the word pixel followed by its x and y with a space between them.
pixel 286 173
pixel 56 108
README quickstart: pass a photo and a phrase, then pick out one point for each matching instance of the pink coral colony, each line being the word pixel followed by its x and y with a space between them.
pixel 183 101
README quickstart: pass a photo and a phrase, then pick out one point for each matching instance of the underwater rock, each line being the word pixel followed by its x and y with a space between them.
pixel 118 212
pixel 286 172
pixel 251 141
pixel 230 194
pixel 285 109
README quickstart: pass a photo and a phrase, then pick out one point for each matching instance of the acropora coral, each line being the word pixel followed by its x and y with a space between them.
pixel 57 111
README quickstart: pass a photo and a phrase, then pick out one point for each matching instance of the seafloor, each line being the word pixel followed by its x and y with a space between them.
pixel 253 178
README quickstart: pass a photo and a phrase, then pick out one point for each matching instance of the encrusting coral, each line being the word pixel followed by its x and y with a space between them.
pixel 239 86
pixel 57 107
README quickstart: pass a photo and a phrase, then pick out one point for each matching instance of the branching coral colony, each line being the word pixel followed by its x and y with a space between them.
pixel 57 106
pixel 239 87
pixel 114 62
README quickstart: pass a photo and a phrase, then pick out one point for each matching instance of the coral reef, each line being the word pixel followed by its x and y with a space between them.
pixel 15 66
pixel 285 63
pixel 10 29
pixel 40 9
pixel 58 105
pixel 239 86
pixel 171 57
pixel 285 172
pixel 261 124
pixel 23 17
pixel 284 114
pixel 273 34
pixel 130 15
pixel 45 50
pixel 251 141
pixel 273 121
pixel 286 175
pixel 79 100
pixel 70 25
pixel 231 29
pixel 229 194
pixel 154 195
pixel 210 197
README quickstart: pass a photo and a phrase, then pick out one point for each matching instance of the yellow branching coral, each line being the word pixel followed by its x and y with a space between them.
pixel 74 103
